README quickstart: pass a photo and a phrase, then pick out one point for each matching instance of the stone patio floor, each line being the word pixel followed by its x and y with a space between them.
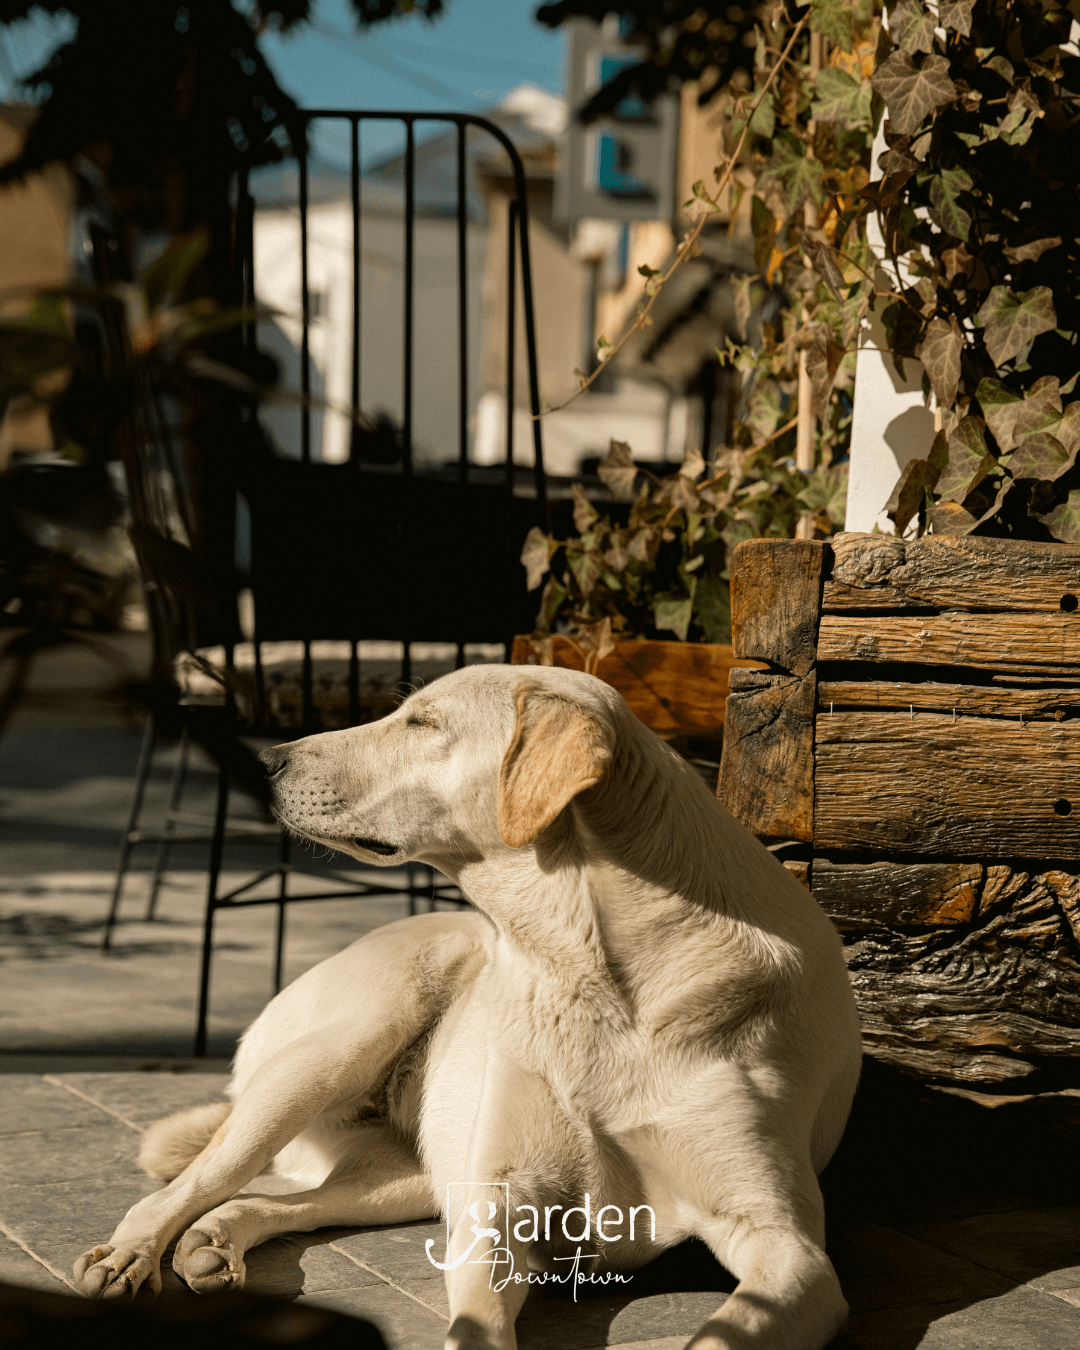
pixel 951 1224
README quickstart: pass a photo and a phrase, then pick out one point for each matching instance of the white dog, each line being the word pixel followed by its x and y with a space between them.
pixel 648 1016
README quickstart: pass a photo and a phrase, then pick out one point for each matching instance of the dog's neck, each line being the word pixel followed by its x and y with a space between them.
pixel 630 869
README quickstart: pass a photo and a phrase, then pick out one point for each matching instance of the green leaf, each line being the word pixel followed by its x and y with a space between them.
pixel 841 98
pixel 910 91
pixel 585 514
pixel 1011 320
pixel 916 480
pixel 834 19
pixel 536 556
pixel 956 14
pixel 911 27
pixel 550 603
pixel 763 228
pixel 1063 521
pixel 763 122
pixel 946 188
pixel 1000 407
pixel 712 608
pixel 796 176
pixel 617 471
pixel 825 265
pixel 826 491
pixel 673 614
pixel 969 461
pixel 585 569
pixel 1041 456
pixel 1032 250
pixel 940 355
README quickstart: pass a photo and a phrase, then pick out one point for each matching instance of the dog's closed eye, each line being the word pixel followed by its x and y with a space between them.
pixel 420 720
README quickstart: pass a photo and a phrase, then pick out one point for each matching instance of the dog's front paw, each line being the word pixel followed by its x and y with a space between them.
pixel 208 1264
pixel 116 1272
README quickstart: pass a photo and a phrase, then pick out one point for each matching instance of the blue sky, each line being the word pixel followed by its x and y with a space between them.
pixel 465 61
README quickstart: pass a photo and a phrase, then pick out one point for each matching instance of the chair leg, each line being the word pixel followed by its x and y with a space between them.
pixel 216 849
pixel 142 774
pixel 279 939
pixel 161 861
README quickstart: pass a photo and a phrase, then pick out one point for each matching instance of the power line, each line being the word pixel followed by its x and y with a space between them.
pixel 417 77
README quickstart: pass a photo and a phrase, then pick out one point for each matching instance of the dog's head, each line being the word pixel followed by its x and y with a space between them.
pixel 482 759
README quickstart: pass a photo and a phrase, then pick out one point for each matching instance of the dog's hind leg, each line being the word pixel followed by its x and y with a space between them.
pixel 380 1181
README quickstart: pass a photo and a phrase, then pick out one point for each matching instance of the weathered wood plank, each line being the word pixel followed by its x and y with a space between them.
pixel 1014 643
pixel 961 971
pixel 776 600
pixel 977 699
pixel 897 894
pixel 767 768
pixel 879 571
pixel 676 688
pixel 977 787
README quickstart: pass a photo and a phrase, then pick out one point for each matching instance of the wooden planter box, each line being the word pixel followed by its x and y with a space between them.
pixel 918 732
pixel 679 689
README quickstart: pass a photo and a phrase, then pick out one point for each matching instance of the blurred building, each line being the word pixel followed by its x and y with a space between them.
pixel 665 393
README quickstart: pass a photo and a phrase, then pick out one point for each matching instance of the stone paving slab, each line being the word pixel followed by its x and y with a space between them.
pixel 996 1280
pixel 1021 1248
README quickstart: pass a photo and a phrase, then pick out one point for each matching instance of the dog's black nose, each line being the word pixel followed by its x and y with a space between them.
pixel 274 760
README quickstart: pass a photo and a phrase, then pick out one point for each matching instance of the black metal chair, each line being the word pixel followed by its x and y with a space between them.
pixel 415 554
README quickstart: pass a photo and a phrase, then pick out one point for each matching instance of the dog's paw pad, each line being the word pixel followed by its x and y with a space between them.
pixel 107 1272
pixel 206 1264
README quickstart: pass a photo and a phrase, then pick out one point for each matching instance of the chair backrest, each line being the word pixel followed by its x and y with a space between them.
pixel 334 517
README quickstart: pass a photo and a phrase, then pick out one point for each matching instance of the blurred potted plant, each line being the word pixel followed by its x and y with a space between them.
pixel 640 597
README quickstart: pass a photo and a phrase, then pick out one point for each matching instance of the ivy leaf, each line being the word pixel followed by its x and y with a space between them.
pixel 911 91
pixel 911 27
pixel 826 491
pixel 1010 320
pixel 823 359
pixel 795 176
pixel 969 461
pixel 1063 521
pixel 550 603
pixel 673 614
pixel 840 98
pixel 617 471
pixel 536 556
pixel 763 227
pixel 1032 250
pixel 825 266
pixel 918 478
pixel 693 465
pixel 946 188
pixel 956 14
pixel 584 511
pixel 1041 456
pixel 585 568
pixel 833 19
pixel 1000 406
pixel 1040 410
pixel 940 355
pixel 949 518
pixel 763 122
pixel 1068 430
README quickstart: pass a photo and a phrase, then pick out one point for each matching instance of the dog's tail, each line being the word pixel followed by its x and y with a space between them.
pixel 169 1145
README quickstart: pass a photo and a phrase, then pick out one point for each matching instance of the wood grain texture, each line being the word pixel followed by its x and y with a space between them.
pixel 676 688
pixel 978 787
pixel 776 600
pixel 1012 643
pixel 879 571
pixel 767 768
pixel 988 998
pixel 981 700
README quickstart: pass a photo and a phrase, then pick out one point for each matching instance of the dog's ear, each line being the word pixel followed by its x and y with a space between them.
pixel 558 749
